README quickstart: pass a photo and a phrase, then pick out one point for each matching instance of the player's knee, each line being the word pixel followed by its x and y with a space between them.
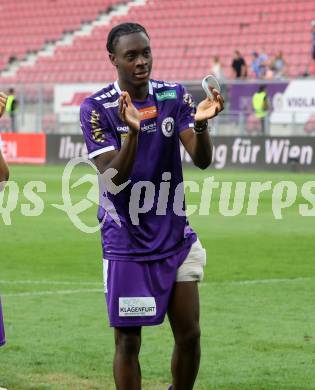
pixel 128 344
pixel 190 339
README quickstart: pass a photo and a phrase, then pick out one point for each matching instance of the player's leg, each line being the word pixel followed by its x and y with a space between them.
pixel 127 372
pixel 2 335
pixel 262 121
pixel 183 313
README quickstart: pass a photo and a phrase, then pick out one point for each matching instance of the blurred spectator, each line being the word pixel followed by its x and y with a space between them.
pixel 259 64
pixel 239 66
pixel 217 69
pixel 313 39
pixel 277 65
pixel 11 108
pixel 312 66
pixel 261 106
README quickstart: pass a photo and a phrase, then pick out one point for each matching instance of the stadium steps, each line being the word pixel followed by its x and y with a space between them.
pixel 35 23
pixel 186 35
pixel 67 40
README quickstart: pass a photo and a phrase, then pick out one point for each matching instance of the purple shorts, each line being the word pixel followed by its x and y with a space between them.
pixel 138 293
pixel 2 335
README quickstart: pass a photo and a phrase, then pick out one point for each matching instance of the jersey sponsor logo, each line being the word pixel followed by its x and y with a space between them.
pixel 148 112
pixel 150 128
pixel 167 126
pixel 166 95
pixel 111 104
pixel 137 306
pixel 97 132
pixel 122 129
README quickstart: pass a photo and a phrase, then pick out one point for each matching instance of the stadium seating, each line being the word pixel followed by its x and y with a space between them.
pixel 186 35
pixel 27 25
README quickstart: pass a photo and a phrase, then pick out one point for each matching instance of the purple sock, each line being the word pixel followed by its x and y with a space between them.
pixel 170 387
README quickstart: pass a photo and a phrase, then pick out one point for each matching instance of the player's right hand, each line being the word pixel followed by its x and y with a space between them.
pixel 3 102
pixel 128 112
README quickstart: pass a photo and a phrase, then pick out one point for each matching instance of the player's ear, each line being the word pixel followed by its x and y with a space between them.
pixel 112 59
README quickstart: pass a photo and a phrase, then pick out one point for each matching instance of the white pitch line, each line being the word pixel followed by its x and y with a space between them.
pixel 257 281
pixel 80 291
pixel 79 282
pixel 52 282
pixel 57 292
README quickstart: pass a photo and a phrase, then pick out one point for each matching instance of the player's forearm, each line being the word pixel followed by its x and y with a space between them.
pixel 124 160
pixel 202 150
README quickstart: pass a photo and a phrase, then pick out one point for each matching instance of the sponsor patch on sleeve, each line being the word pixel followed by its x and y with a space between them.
pixel 188 99
pixel 97 132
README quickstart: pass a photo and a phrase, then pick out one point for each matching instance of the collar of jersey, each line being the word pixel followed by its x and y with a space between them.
pixel 116 86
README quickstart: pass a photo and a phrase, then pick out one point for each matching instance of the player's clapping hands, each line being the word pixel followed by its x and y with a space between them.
pixel 3 102
pixel 209 108
pixel 128 112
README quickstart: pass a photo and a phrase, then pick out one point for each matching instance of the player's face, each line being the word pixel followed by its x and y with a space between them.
pixel 133 58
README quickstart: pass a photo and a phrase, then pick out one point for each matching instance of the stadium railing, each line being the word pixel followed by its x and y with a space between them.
pixel 40 108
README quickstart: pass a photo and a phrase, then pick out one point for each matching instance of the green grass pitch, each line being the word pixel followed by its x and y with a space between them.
pixel 257 299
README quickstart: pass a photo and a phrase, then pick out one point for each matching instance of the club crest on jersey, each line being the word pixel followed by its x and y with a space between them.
pixel 167 126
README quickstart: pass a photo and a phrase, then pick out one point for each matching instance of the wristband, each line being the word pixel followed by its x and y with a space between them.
pixel 200 127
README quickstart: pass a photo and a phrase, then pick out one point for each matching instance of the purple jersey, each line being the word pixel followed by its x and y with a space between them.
pixel 162 231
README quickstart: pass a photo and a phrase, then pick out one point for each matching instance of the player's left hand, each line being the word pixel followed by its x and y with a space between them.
pixel 3 102
pixel 209 108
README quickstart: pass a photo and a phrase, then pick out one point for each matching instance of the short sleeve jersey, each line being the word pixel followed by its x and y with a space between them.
pixel 161 229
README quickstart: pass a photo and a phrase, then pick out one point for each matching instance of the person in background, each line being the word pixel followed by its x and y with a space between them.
pixel 217 69
pixel 259 64
pixel 4 171
pixel 4 176
pixel 218 72
pixel 11 108
pixel 260 106
pixel 239 66
pixel 311 70
pixel 278 65
pixel 313 39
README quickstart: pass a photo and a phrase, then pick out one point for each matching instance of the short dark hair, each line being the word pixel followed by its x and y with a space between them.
pixel 120 30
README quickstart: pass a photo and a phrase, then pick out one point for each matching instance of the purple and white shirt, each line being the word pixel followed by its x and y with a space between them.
pixel 168 110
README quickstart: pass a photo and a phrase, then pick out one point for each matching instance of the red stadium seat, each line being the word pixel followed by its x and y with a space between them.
pixel 35 22
pixel 185 35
